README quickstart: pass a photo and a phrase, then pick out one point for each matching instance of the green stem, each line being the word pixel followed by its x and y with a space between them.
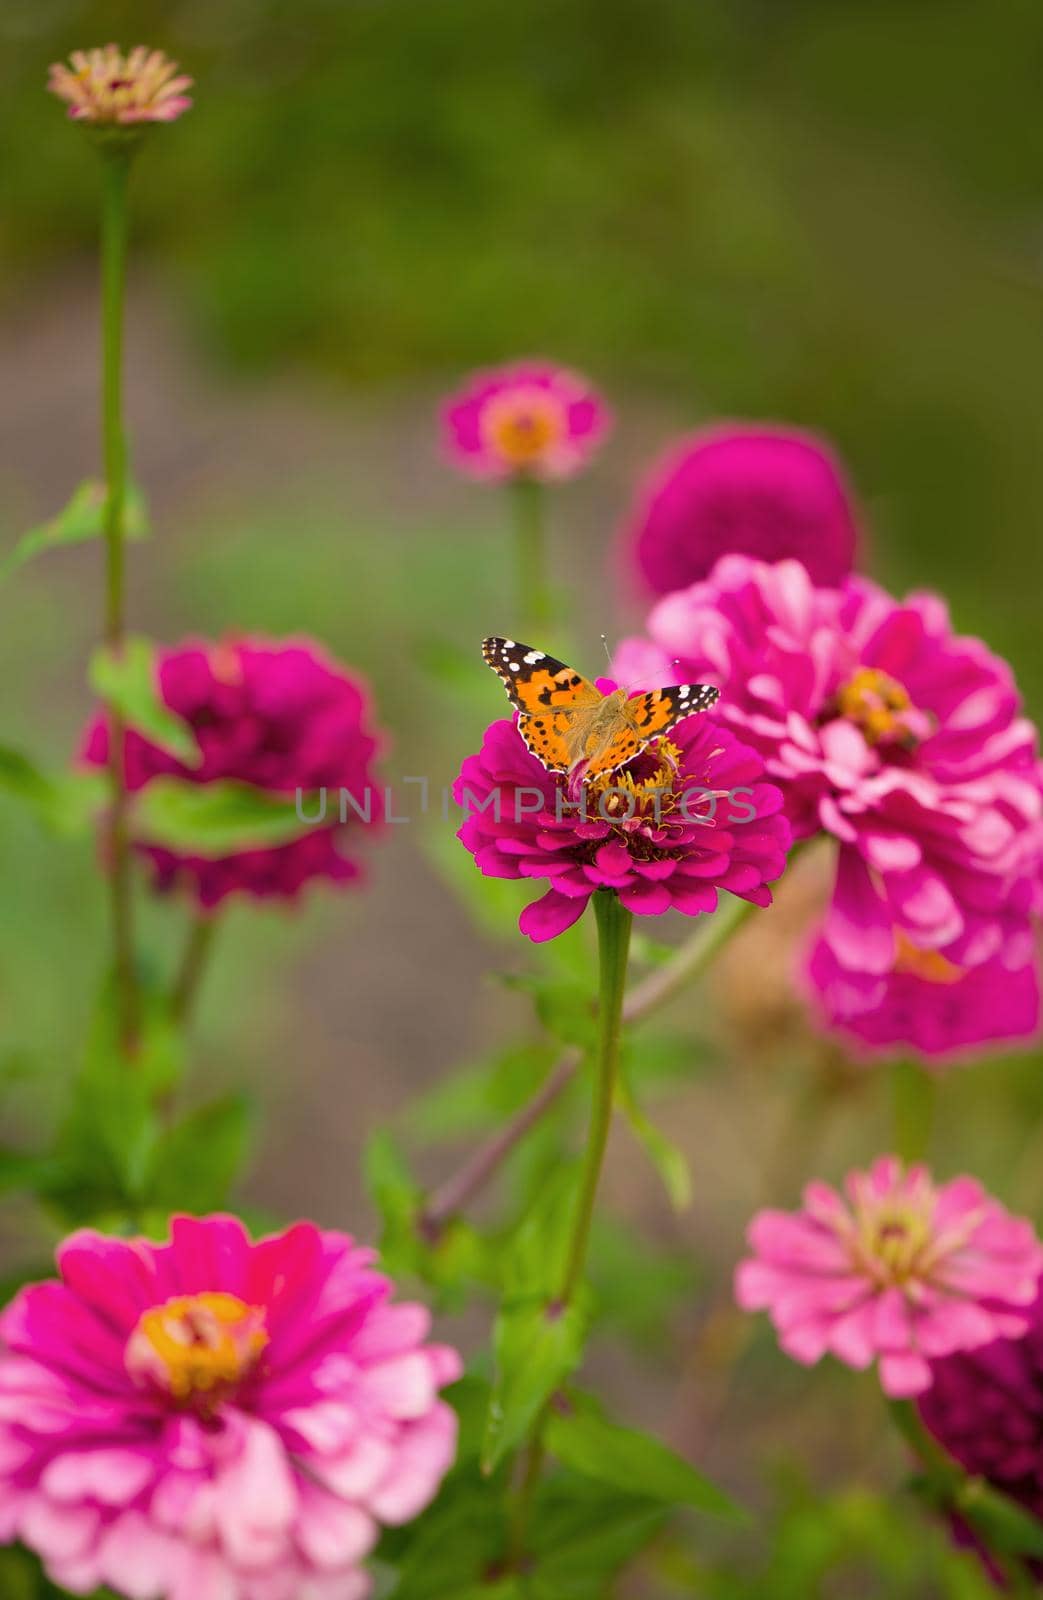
pixel 614 924
pixel 912 1107
pixel 114 227
pixel 530 538
pixel 193 965
pixel 687 963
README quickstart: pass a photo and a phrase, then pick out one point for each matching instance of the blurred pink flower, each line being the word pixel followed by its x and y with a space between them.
pixel 895 1270
pixel 106 86
pixel 281 716
pixel 532 419
pixel 883 728
pixel 986 1409
pixel 688 816
pixel 217 1419
pixel 753 489
pixel 928 1004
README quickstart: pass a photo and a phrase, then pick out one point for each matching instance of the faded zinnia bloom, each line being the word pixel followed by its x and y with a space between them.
pixel 895 1270
pixel 885 729
pixel 282 717
pixel 690 815
pixel 927 1004
pixel 215 1418
pixel 986 1408
pixel 753 489
pixel 106 86
pixel 532 419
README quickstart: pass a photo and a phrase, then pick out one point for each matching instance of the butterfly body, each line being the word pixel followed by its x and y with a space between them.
pixel 570 726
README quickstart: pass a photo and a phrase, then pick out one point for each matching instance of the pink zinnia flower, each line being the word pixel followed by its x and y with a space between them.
pixel 106 86
pixel 883 728
pixel 928 1004
pixel 532 419
pixel 986 1409
pixel 752 489
pixel 217 1419
pixel 689 816
pixel 896 1270
pixel 281 716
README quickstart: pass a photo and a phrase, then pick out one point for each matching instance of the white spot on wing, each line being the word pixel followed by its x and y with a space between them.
pixel 532 657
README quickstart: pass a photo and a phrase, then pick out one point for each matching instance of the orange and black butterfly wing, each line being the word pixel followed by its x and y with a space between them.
pixel 549 696
pixel 650 716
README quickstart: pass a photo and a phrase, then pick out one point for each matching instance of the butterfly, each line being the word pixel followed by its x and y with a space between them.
pixel 570 726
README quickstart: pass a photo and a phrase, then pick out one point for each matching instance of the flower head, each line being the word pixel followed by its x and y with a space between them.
pixel 216 1416
pixel 280 716
pixel 529 420
pixel 757 490
pixel 690 815
pixel 105 86
pixel 896 1269
pixel 884 729
pixel 927 1003
pixel 986 1408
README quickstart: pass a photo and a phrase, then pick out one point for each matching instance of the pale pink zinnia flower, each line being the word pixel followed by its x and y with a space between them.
pixel 756 489
pixel 532 419
pixel 106 86
pixel 896 1270
pixel 217 1419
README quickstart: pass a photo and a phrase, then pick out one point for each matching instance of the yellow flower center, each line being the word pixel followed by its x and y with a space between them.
pixel 892 1240
pixel 930 965
pixel 881 707
pixel 522 424
pixel 629 797
pixel 197 1347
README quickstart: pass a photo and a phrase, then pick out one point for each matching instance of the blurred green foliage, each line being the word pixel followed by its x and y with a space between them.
pixel 767 207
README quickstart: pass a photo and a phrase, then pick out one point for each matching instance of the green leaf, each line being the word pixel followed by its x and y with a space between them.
pixel 1005 1526
pixel 19 1170
pixel 668 1160
pixel 196 1161
pixel 563 1006
pixel 583 1535
pixel 213 819
pixel 449 1550
pixel 537 1344
pixel 128 682
pixel 66 805
pixel 108 1140
pixel 581 1437
pixel 82 518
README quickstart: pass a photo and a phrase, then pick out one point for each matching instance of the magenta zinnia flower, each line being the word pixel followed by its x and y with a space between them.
pixel 895 1270
pixel 752 489
pixel 689 816
pixel 283 717
pixel 986 1408
pixel 532 419
pixel 106 86
pixel 886 730
pixel 928 1004
pixel 217 1419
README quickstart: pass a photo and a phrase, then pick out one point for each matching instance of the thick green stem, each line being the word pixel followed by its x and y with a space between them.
pixel 530 537
pixel 912 1102
pixel 115 172
pixel 614 925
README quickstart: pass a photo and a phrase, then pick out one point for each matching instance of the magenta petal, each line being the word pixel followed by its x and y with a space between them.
pixel 545 919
